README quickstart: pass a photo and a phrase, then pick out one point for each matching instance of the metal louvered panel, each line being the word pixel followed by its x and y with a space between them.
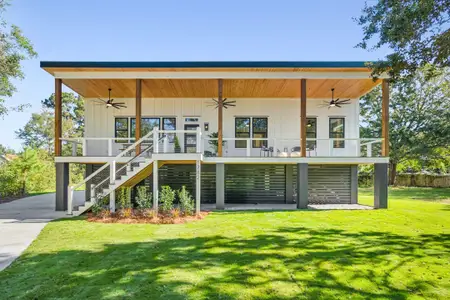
pixel 176 176
pixel 255 183
pixel 327 184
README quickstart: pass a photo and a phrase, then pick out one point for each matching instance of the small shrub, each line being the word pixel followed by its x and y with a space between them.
pixel 143 198
pixel 105 213
pixel 124 198
pixel 149 213
pixel 176 213
pixel 96 209
pixel 166 199
pixel 186 202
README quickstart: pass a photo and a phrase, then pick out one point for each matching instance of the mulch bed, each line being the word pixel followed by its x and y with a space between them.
pixel 136 219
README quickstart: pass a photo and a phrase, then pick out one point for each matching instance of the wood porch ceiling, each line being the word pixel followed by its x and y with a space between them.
pixel 232 88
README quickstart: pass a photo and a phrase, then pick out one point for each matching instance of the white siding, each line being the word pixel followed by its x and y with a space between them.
pixel 283 114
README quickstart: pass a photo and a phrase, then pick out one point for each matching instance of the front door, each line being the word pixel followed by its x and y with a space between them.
pixel 190 139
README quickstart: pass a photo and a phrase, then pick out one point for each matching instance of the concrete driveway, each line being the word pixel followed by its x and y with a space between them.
pixel 22 220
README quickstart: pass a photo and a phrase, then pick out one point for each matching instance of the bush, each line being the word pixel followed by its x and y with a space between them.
pixel 143 198
pixel 186 202
pixel 124 198
pixel 10 185
pixel 166 199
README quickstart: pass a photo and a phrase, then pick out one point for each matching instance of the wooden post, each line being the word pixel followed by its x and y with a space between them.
pixel 385 118
pixel 303 117
pixel 220 119
pixel 58 116
pixel 138 113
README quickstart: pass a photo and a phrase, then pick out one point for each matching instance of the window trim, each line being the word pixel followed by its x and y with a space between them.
pixel 337 144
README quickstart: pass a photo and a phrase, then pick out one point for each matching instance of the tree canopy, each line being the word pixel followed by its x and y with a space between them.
pixel 38 132
pixel 418 32
pixel 14 48
pixel 419 112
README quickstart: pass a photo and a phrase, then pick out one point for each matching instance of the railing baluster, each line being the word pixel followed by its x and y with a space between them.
pixel 248 152
pixel 369 150
pixel 83 143
pixel 110 147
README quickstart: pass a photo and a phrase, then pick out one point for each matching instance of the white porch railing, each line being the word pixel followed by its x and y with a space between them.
pixel 353 147
pixel 192 141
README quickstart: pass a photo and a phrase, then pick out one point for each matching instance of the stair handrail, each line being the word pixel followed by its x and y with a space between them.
pixel 72 188
pixel 149 148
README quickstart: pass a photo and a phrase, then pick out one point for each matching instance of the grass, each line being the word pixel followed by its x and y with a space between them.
pixel 399 253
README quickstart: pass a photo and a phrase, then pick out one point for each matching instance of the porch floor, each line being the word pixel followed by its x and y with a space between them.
pixel 239 206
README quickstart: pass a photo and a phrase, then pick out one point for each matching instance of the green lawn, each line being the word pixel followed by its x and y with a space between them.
pixel 400 253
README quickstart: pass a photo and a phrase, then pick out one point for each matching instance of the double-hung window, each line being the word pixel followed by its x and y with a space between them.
pixel 311 133
pixel 121 129
pixel 254 127
pixel 242 130
pixel 259 130
pixel 337 131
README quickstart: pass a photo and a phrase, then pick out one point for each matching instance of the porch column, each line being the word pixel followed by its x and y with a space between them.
pixel 385 118
pixel 155 185
pixel 220 119
pixel 58 116
pixel 62 185
pixel 138 113
pixel 302 185
pixel 198 186
pixel 381 185
pixel 303 117
pixel 220 186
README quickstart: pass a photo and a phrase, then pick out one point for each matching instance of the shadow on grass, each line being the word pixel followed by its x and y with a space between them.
pixel 284 263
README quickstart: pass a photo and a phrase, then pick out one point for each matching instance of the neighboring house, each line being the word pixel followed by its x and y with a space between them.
pixel 232 132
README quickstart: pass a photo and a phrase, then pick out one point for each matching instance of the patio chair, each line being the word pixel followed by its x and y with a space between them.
pixel 295 151
pixel 264 150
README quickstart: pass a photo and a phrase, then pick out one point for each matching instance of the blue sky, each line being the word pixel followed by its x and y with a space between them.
pixel 177 30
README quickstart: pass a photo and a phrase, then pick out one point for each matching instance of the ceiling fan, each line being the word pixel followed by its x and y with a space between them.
pixel 335 103
pixel 225 103
pixel 110 102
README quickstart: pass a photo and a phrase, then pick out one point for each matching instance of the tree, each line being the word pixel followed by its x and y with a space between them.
pixel 419 112
pixel 416 30
pixel 39 130
pixel 27 162
pixel 14 48
pixel 72 109
pixel 6 150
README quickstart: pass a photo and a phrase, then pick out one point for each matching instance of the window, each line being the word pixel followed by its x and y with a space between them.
pixel 242 130
pixel 147 125
pixel 251 127
pixel 311 133
pixel 259 130
pixel 121 129
pixel 126 127
pixel 337 131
